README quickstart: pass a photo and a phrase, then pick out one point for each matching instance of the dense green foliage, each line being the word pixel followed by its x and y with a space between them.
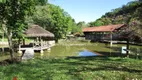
pixel 98 22
pixel 130 14
pixel 12 18
pixel 53 19
pixel 91 68
pixel 12 15
pixel 80 25
pixel 125 14
pixel 41 2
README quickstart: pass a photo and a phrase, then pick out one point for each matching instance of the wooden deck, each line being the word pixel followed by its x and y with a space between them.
pixel 35 48
pixel 38 48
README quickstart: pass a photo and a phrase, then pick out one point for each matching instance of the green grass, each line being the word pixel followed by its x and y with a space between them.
pixel 4 57
pixel 92 68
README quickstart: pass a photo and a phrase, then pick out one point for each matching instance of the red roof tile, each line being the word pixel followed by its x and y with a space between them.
pixel 107 28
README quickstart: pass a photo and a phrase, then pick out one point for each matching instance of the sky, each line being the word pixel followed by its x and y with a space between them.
pixel 88 10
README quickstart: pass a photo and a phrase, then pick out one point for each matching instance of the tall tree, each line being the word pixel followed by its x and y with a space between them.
pixel 54 19
pixel 60 22
pixel 12 18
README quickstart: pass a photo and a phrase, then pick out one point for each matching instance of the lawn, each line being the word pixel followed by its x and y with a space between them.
pixel 73 68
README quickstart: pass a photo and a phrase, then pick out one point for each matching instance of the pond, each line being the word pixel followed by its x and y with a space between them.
pixel 83 49
pixel 70 50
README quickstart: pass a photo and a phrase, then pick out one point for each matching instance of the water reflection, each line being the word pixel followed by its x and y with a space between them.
pixel 87 53
pixel 67 51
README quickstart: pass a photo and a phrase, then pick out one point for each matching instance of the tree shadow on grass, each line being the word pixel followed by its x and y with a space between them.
pixel 46 68
pixel 106 68
pixel 102 64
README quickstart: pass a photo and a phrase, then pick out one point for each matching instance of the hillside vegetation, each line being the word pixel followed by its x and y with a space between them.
pixel 129 14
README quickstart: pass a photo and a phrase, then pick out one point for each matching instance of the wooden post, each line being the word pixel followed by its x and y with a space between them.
pixel 19 47
pixel 127 52
pixel 36 40
pixel 111 39
pixel 110 42
pixel 19 51
pixel 3 37
pixel 41 51
pixel 40 40
pixel 2 49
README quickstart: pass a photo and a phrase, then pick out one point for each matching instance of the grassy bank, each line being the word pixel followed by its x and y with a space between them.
pixel 92 68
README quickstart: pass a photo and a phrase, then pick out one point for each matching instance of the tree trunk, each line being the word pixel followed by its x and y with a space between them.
pixel 56 40
pixel 10 46
pixel 23 41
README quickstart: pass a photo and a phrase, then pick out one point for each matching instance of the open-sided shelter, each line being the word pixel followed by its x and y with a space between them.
pixel 40 35
pixel 100 33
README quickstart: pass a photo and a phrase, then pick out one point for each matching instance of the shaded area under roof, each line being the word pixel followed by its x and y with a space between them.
pixel 107 28
pixel 37 31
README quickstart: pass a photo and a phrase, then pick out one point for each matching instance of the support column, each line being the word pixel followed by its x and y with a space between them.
pixel 41 51
pixel 3 37
pixel 127 51
pixel 19 51
pixel 40 41
pixel 111 39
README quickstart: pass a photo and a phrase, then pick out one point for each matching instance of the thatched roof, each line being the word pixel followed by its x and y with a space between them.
pixel 37 31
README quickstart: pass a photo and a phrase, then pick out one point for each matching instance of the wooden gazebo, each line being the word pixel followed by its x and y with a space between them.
pixel 39 34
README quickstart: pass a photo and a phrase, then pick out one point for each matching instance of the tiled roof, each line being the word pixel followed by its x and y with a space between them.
pixel 107 28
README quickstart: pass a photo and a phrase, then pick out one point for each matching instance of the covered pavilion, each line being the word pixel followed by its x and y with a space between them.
pixel 103 33
pixel 40 37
